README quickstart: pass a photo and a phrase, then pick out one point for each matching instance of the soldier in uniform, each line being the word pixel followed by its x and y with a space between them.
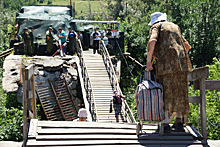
pixel 72 41
pixel 32 40
pixel 27 41
pixel 49 40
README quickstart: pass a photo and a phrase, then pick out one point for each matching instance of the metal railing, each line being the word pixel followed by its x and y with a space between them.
pixel 128 115
pixel 87 83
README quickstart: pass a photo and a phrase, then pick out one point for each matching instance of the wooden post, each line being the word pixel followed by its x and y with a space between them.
pixel 203 109
pixel 28 85
pixel 25 93
pixel 33 100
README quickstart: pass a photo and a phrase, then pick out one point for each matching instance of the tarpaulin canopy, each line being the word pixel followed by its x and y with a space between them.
pixel 43 17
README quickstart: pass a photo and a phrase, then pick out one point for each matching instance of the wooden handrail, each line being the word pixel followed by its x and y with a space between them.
pixel 87 83
pixel 6 53
pixel 114 79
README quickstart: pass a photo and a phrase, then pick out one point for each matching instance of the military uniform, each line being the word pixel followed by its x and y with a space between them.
pixel 27 42
pixel 49 42
pixel 31 52
pixel 72 42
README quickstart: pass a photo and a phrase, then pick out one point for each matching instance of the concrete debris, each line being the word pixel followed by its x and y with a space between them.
pixel 45 68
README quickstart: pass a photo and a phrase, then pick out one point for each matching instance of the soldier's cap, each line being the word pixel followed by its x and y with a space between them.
pixel 50 28
pixel 69 28
pixel 25 28
pixel 59 28
pixel 30 27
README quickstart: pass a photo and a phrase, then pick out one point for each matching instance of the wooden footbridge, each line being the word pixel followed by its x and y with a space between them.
pixel 98 80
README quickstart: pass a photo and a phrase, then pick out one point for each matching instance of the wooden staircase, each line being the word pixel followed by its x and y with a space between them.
pixel 65 99
pixel 57 101
pixel 49 103
pixel 101 86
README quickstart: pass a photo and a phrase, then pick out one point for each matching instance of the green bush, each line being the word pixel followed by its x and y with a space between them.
pixel 10 117
pixel 10 122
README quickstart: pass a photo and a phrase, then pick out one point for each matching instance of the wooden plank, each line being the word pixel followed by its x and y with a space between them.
pixel 33 128
pixel 33 100
pixel 212 84
pixel 195 99
pixel 87 131
pixel 198 73
pixel 111 136
pixel 29 71
pixel 209 85
pixel 56 98
pixel 203 109
pixel 84 124
pixel 97 125
pixel 87 106
pixel 140 145
pixel 195 134
pixel 25 107
pixel 71 97
pixel 109 142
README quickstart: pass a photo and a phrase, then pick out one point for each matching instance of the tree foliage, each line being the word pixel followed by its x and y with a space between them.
pixel 10 110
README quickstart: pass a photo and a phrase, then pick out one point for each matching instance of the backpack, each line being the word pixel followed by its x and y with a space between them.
pixel 94 34
pixel 117 99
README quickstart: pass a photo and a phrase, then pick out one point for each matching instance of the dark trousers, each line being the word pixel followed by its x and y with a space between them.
pixel 95 46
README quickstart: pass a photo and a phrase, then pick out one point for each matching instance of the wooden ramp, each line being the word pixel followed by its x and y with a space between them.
pixel 70 133
pixel 57 101
pixel 49 103
pixel 101 86
pixel 65 99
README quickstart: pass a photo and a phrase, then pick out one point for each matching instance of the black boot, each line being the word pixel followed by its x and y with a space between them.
pixel 167 129
pixel 178 127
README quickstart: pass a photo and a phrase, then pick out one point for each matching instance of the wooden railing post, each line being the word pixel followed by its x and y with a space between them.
pixel 198 77
pixel 29 101
pixel 33 100
pixel 203 108
pixel 25 93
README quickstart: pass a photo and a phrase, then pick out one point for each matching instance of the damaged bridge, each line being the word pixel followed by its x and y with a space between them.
pixel 97 81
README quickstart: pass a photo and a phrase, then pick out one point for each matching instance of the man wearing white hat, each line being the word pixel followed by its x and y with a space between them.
pixel 170 49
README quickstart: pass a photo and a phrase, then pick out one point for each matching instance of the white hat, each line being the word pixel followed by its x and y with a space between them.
pixel 157 16
pixel 82 112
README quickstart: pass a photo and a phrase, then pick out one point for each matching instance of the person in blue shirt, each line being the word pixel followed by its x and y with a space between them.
pixel 62 37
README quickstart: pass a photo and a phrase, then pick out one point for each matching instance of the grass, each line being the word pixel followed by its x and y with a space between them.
pixel 82 7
